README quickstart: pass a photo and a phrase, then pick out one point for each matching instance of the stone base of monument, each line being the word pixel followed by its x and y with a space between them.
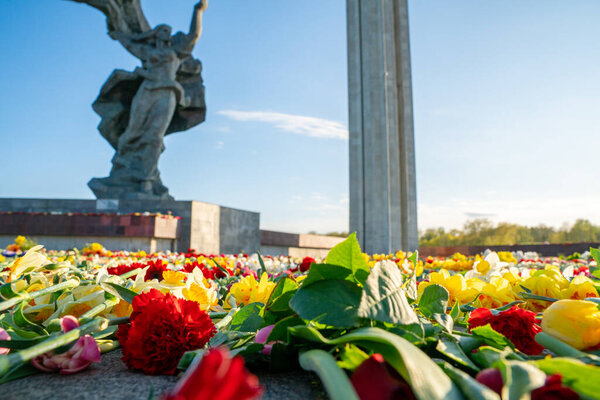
pixel 131 232
pixel 296 244
pixel 207 228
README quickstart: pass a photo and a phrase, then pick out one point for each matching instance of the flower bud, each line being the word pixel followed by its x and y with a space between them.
pixel 575 322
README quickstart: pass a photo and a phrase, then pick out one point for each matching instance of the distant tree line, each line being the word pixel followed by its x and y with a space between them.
pixel 483 232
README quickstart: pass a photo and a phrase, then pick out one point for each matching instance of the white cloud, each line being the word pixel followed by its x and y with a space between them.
pixel 219 145
pixel 302 125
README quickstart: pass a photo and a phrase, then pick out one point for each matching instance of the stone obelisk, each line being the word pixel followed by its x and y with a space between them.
pixel 383 204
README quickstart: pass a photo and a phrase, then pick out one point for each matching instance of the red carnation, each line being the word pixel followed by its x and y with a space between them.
pixel 375 379
pixel 306 263
pixel 162 328
pixel 157 267
pixel 124 268
pixel 516 324
pixel 217 377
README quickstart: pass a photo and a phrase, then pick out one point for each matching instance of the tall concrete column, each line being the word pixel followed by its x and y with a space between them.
pixel 383 200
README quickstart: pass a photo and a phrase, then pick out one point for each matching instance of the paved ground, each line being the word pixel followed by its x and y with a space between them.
pixel 110 379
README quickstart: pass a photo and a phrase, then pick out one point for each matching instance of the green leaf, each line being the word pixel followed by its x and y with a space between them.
pixel 519 378
pixel 20 344
pixel 319 272
pixel 351 357
pixel 280 330
pixel 426 378
pixel 414 333
pixel 334 380
pixel 486 356
pixel 455 311
pixel 411 283
pixel 491 337
pixel 263 269
pixel 248 318
pixel 281 295
pixel 332 302
pixel 595 255
pixel 445 321
pixel 22 322
pixel 433 300
pixel 383 298
pixel 450 349
pixel 7 292
pixel 348 254
pixel 585 379
pixel 18 372
pixel 470 388
pixel 124 293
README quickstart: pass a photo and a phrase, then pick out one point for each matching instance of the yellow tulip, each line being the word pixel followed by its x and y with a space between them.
pixel 575 322
pixel 548 283
pixel 579 288
pixel 497 293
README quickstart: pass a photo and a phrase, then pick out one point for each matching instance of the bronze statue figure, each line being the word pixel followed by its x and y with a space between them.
pixel 164 95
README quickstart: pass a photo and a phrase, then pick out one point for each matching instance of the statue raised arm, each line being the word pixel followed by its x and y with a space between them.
pixel 162 96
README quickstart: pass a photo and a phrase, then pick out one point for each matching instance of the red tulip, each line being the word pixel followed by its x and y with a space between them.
pixel 217 377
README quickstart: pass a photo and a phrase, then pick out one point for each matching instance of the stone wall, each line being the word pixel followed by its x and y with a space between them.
pixel 207 228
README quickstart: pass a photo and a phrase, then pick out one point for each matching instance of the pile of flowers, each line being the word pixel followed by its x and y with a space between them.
pixel 381 326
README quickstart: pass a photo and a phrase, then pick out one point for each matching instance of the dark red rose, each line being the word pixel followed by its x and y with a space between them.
pixel 553 389
pixel 492 378
pixel 375 379
pixel 306 262
pixel 162 328
pixel 217 377
pixel 518 325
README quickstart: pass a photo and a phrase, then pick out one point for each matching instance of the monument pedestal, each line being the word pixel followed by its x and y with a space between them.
pixel 207 228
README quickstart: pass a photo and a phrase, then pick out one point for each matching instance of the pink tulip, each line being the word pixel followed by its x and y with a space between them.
pixel 4 336
pixel 262 336
pixel 84 352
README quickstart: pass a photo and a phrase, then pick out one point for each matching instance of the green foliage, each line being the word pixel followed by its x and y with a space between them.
pixel 331 302
pixel 482 232
pixel 348 254
pixel 334 380
pixel 434 300
pixel 585 379
pixel 124 293
pixel 470 388
pixel 449 348
pixel 519 379
pixel 490 337
pixel 248 318
pixel 383 298
pixel 426 378
pixel 351 357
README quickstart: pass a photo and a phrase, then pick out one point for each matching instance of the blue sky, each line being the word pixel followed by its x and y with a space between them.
pixel 506 102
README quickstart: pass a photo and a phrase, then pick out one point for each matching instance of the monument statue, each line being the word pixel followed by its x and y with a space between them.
pixel 163 96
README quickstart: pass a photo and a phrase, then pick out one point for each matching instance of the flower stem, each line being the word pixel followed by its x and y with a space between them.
pixel 558 346
pixel 100 307
pixel 71 283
